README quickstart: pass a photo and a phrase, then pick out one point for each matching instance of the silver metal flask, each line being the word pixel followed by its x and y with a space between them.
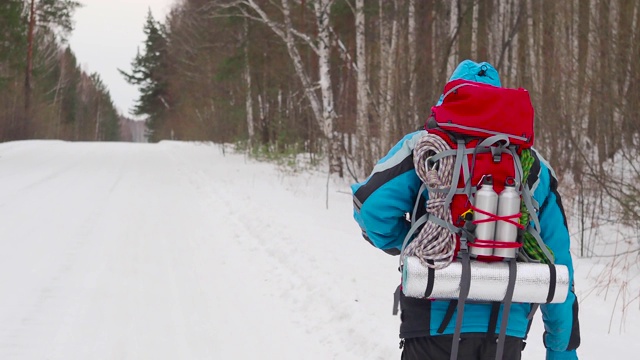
pixel 486 200
pixel 508 204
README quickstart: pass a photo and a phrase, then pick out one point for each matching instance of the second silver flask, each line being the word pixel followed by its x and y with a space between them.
pixel 508 204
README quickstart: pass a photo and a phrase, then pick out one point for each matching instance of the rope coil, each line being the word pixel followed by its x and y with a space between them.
pixel 434 245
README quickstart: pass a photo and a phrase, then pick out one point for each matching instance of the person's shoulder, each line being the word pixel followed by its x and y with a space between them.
pixel 414 136
pixel 402 148
pixel 542 178
pixel 411 139
pixel 544 165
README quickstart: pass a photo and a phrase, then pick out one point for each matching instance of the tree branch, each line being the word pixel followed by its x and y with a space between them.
pixel 512 34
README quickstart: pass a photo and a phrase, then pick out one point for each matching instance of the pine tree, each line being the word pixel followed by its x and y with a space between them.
pixel 12 36
pixel 148 72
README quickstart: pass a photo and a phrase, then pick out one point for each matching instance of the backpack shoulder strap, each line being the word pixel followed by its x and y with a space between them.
pixel 527 198
pixel 415 223
pixel 537 250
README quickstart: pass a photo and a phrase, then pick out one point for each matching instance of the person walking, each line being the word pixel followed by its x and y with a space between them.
pixel 381 205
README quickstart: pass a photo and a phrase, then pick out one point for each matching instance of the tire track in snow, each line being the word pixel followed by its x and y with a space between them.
pixel 242 301
pixel 49 306
pixel 308 295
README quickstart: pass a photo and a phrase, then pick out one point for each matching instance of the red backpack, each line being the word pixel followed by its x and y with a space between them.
pixel 478 133
pixel 480 209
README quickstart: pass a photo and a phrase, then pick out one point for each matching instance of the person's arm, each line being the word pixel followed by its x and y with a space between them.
pixel 562 328
pixel 382 200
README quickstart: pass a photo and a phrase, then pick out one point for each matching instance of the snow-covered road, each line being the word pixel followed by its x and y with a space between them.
pixel 172 251
pixel 179 251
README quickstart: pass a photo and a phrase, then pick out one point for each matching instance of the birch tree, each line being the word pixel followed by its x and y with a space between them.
pixel 322 103
pixel 362 122
pixel 249 98
pixel 411 42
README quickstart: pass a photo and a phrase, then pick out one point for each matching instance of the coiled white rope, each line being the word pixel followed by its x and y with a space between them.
pixel 434 242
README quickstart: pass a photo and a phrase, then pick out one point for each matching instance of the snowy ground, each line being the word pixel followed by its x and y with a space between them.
pixel 178 251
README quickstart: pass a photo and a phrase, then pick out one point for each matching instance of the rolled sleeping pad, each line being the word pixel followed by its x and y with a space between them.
pixel 535 282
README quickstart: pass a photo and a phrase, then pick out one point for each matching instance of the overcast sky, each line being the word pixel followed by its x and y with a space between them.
pixel 106 37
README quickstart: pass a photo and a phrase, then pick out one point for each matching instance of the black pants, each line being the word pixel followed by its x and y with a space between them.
pixel 472 347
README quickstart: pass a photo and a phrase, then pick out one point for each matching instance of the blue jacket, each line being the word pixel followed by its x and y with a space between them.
pixel 389 193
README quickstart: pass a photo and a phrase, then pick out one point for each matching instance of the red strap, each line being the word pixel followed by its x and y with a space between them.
pixel 494 217
pixel 494 244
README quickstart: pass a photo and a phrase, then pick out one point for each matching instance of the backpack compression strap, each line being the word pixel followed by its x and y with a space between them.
pixel 465 285
pixel 513 270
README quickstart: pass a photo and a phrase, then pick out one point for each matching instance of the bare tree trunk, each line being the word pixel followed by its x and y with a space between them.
pixel 533 44
pixel 550 103
pixel 322 10
pixel 522 79
pixel 362 123
pixel 249 98
pixel 392 70
pixel 388 45
pixel 631 117
pixel 485 9
pixel 97 134
pixel 413 110
pixel 263 120
pixel 25 126
pixel 466 31
pixel 455 22
pixel 323 16
pixel 583 43
pixel 58 122
pixel 474 31
pixel 384 33
pixel 497 31
pixel 449 57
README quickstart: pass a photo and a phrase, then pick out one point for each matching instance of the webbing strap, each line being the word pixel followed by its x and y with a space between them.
pixel 396 300
pixel 415 223
pixel 469 189
pixel 423 187
pixel 431 277
pixel 452 152
pixel 480 147
pixel 494 139
pixel 519 173
pixel 552 283
pixel 485 131
pixel 448 315
pixel 534 308
pixel 442 223
pixel 543 246
pixel 414 227
pixel 513 272
pixel 526 197
pixel 444 153
pixel 493 319
pixel 456 173
pixel 465 285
